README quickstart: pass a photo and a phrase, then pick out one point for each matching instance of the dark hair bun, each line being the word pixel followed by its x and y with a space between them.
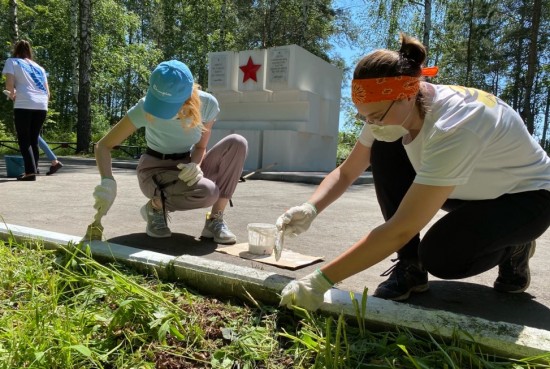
pixel 412 50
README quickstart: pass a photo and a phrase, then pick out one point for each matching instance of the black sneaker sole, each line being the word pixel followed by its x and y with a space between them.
pixel 416 289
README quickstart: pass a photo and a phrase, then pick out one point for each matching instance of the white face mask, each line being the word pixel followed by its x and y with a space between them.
pixel 390 133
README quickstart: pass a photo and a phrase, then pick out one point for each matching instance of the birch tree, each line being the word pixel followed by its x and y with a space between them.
pixel 84 125
pixel 12 20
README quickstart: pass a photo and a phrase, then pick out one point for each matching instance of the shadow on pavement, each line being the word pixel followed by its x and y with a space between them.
pixel 178 244
pixel 484 302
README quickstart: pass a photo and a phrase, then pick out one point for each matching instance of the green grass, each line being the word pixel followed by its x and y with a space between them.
pixel 65 310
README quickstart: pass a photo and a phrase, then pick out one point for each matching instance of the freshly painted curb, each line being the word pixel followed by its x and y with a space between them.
pixel 213 277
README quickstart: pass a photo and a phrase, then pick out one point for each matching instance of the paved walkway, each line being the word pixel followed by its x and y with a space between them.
pixel 63 203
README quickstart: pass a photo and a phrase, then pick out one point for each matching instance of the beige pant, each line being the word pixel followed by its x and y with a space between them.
pixel 222 168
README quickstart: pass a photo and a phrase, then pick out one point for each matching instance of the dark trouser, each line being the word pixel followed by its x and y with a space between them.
pixel 474 236
pixel 393 175
pixel 28 124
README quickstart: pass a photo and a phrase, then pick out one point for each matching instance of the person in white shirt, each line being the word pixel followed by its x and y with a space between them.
pixel 27 85
pixel 432 147
pixel 176 172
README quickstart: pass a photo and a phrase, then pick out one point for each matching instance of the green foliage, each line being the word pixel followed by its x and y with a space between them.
pixel 346 142
pixel 351 130
pixel 482 44
pixel 130 37
pixel 62 309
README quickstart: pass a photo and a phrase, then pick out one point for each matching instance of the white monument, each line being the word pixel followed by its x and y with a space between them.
pixel 284 100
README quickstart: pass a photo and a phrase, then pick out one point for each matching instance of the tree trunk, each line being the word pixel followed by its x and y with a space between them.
pixel 393 26
pixel 272 8
pixel 84 126
pixel 305 11
pixel 544 141
pixel 74 50
pixel 12 20
pixel 527 115
pixel 517 82
pixel 126 99
pixel 427 25
pixel 223 17
pixel 469 45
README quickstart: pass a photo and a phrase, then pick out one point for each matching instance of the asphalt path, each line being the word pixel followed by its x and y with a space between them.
pixel 63 203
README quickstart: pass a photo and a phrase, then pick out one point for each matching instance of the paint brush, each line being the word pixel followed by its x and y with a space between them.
pixel 279 244
pixel 94 232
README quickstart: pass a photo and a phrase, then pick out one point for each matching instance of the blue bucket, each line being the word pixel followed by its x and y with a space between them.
pixel 15 166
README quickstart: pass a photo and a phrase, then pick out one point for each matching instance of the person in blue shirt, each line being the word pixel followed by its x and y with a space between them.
pixel 27 86
pixel 176 172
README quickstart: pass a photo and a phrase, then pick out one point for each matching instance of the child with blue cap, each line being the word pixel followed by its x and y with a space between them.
pixel 176 172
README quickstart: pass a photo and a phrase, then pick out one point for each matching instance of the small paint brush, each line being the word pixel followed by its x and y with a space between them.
pixel 279 244
pixel 94 232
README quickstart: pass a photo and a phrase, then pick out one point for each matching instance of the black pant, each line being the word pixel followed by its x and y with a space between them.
pixel 28 124
pixel 474 236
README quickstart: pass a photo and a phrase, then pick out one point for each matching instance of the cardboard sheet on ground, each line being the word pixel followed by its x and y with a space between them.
pixel 289 259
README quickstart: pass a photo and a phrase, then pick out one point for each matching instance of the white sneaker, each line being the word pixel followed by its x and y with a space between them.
pixel 215 227
pixel 156 224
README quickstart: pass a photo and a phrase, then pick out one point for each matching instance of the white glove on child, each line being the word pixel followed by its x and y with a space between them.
pixel 104 195
pixel 307 292
pixel 297 219
pixel 190 173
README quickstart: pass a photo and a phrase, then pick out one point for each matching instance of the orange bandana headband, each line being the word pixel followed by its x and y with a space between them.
pixel 387 88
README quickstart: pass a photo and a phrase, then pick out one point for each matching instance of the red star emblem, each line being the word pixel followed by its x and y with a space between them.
pixel 250 70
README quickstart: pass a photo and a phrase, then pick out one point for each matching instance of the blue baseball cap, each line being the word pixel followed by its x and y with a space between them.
pixel 170 85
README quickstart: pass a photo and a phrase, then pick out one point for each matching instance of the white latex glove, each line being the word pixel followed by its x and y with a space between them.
pixel 190 173
pixel 297 219
pixel 307 292
pixel 9 96
pixel 104 195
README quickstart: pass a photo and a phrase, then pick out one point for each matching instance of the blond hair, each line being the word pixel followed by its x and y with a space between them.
pixel 190 112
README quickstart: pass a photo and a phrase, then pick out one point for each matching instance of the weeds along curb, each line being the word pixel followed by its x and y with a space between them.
pixel 218 278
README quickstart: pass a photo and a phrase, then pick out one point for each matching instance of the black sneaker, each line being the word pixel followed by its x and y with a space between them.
pixel 406 276
pixel 513 273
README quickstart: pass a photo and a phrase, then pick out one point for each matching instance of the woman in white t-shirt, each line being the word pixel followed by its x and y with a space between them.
pixel 433 147
pixel 27 85
pixel 176 172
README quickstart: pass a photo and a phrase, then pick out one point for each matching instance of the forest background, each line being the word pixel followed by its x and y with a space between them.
pixel 99 53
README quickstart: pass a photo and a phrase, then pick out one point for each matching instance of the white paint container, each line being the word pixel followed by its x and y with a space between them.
pixel 261 238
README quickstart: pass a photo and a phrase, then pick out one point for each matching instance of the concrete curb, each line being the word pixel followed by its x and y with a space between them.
pixel 508 340
pixel 296 177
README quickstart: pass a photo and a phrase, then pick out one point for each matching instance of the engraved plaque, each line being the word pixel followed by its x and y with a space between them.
pixel 278 66
pixel 218 71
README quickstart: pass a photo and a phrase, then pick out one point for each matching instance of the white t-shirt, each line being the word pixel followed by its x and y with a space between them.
pixel 30 83
pixel 474 141
pixel 167 136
